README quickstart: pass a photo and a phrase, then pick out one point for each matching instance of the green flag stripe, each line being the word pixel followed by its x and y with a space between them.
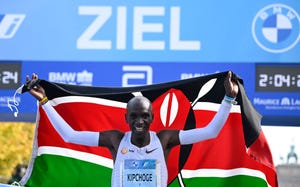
pixel 234 181
pixel 67 172
pixel 88 157
pixel 222 173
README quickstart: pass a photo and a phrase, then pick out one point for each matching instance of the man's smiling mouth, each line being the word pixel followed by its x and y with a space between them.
pixel 139 129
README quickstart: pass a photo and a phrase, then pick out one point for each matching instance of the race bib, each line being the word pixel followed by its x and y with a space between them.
pixel 139 173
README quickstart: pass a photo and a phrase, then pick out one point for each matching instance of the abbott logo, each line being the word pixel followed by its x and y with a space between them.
pixel 276 28
pixel 136 75
pixel 9 24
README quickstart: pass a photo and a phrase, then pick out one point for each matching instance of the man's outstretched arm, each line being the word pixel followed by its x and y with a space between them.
pixel 208 132
pixel 61 126
pixel 214 127
pixel 67 133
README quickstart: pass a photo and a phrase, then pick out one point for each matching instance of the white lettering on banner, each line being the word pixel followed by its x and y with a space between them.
pixel 79 78
pixel 192 75
pixel 4 100
pixel 137 73
pixel 85 78
pixel 85 40
pixel 62 77
pixel 295 102
pixel 121 28
pixel 258 101
pixel 290 101
pixel 175 42
pixel 10 24
pixel 140 27
pixel 284 103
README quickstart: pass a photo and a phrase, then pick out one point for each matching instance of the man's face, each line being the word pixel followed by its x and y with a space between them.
pixel 139 116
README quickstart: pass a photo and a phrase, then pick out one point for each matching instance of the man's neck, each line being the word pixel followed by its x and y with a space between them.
pixel 140 140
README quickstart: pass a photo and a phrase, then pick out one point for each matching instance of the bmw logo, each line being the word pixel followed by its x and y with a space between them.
pixel 276 28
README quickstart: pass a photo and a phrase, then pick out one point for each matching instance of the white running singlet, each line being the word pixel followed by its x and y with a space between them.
pixel 143 166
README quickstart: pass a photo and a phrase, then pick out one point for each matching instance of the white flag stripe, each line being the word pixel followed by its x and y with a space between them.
pixel 76 99
pixel 88 157
pixel 223 173
pixel 85 99
pixel 215 107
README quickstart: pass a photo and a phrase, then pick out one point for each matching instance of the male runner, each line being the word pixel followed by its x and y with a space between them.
pixel 139 155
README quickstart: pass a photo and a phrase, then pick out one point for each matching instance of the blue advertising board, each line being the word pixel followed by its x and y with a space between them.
pixel 128 43
pixel 272 88
pixel 162 31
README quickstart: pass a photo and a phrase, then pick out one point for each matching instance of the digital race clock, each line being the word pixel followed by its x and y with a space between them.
pixel 278 78
pixel 10 75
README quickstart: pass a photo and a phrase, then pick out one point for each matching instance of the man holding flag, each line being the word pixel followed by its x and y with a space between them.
pixel 139 155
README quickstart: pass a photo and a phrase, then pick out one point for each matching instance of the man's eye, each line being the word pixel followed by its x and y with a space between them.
pixel 146 116
pixel 133 117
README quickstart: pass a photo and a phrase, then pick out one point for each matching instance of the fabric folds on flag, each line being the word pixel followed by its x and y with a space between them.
pixel 239 156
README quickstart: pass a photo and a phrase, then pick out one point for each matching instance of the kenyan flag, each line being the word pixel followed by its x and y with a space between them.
pixel 239 156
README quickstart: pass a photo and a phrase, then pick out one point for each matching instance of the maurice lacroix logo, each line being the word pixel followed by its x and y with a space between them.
pixel 9 24
pixel 276 28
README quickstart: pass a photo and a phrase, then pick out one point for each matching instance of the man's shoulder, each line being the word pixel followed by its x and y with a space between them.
pixel 113 133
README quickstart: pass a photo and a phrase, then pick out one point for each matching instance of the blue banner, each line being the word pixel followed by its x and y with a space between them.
pixel 273 89
pixel 154 31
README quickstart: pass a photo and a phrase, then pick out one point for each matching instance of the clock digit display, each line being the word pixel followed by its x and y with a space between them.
pixel 278 78
pixel 263 80
pixel 10 75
